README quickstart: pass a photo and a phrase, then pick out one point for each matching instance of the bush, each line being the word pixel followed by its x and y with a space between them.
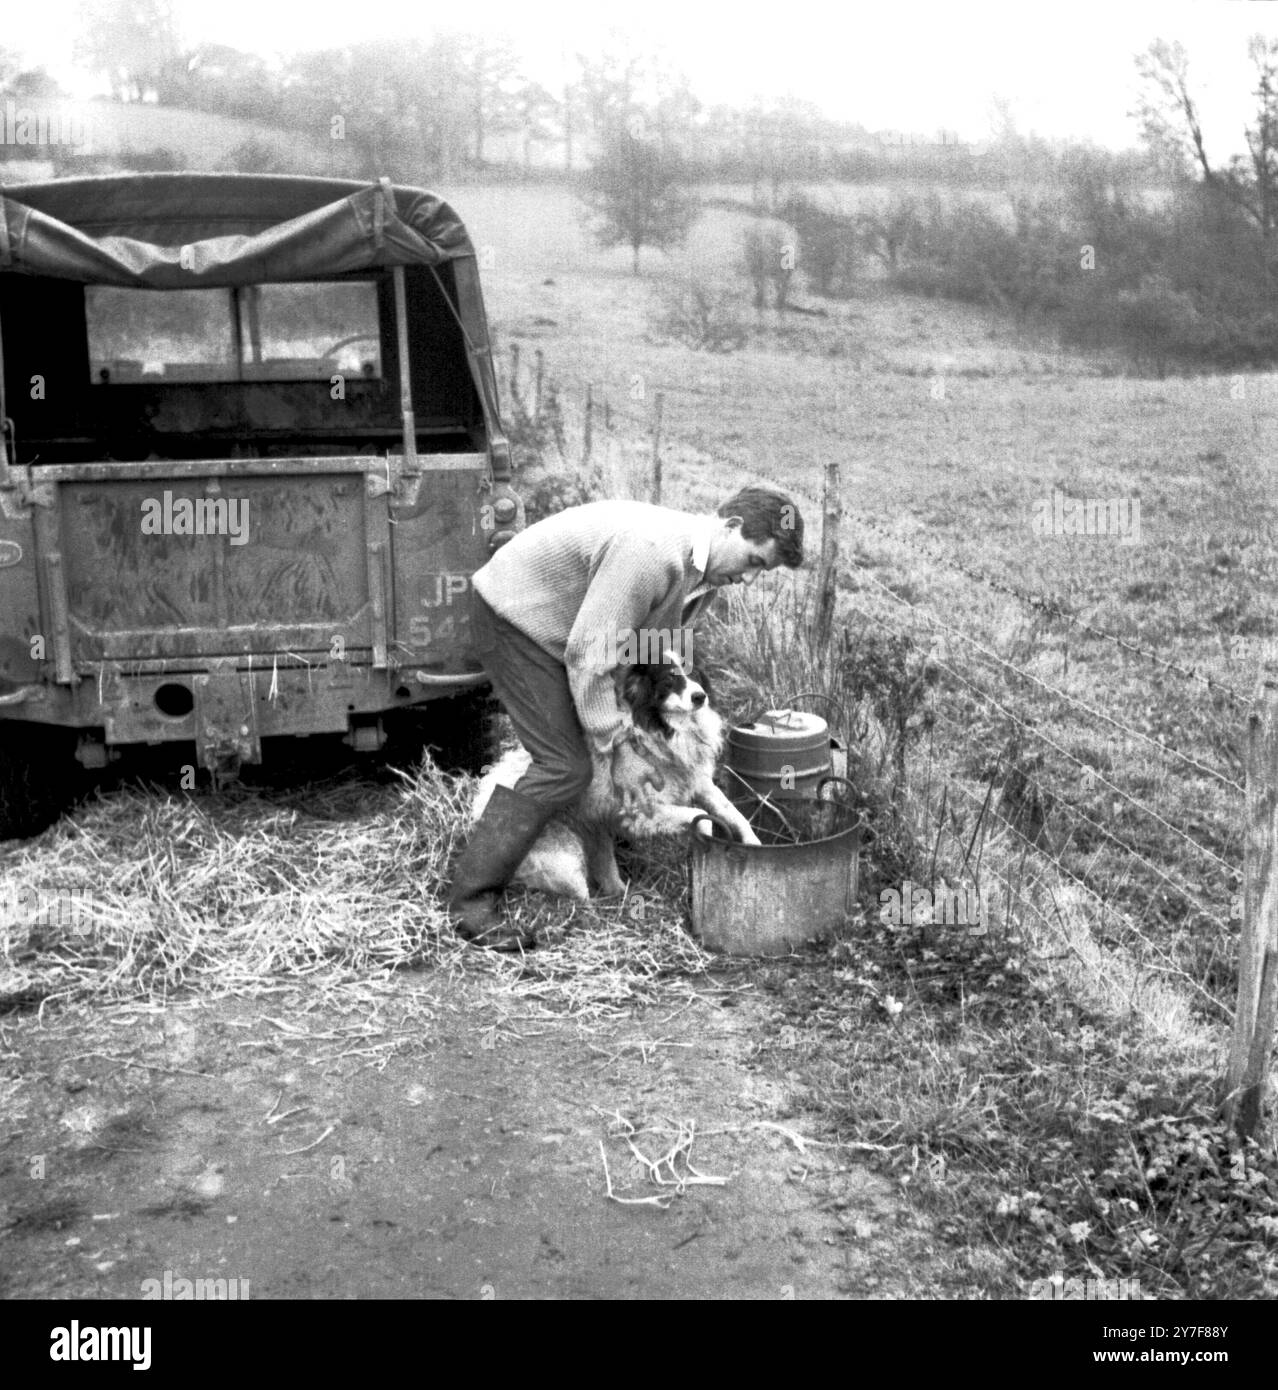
pixel 704 316
pixel 827 245
pixel 959 251
pixel 160 160
pixel 965 251
pixel 770 251
pixel 1089 313
pixel 890 231
pixel 542 474
pixel 1176 285
pixel 533 426
pixel 1249 342
pixel 256 157
pixel 1158 324
pixel 549 490
pixel 71 163
pixel 827 253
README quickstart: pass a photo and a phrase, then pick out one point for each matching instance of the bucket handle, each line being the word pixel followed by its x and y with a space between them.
pixel 698 839
pixel 811 695
pixel 818 695
pixel 830 777
pixel 863 818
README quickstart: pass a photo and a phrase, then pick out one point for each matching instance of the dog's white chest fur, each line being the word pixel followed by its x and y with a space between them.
pixel 577 848
pixel 680 738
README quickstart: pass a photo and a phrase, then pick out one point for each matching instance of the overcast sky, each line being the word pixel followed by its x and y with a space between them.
pixel 1066 70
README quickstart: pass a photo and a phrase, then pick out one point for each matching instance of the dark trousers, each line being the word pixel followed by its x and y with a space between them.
pixel 533 687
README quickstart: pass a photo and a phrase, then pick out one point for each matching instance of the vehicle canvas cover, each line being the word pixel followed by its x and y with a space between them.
pixel 354 541
pixel 167 231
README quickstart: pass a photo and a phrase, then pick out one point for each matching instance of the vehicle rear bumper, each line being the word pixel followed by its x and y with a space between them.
pixel 227 708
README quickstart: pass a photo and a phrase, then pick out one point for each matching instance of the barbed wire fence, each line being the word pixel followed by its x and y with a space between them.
pixel 1249 882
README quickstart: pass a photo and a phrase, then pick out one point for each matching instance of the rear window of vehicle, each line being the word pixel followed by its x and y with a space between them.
pixel 301 332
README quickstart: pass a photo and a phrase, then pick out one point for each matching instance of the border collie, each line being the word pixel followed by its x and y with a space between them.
pixel 676 731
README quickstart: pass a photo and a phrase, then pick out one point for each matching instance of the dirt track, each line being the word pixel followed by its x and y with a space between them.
pixel 469 1167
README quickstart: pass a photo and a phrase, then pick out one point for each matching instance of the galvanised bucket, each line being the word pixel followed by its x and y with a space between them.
pixel 797 887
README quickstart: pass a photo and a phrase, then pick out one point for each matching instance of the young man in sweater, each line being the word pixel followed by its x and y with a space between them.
pixel 553 614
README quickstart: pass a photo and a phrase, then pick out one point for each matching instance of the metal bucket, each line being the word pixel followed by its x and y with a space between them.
pixel 771 899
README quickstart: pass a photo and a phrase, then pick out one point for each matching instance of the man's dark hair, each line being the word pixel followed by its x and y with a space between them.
pixel 766 513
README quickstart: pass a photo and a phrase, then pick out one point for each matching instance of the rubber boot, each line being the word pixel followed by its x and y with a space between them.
pixel 500 839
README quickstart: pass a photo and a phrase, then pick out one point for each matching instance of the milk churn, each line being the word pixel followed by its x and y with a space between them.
pixel 780 753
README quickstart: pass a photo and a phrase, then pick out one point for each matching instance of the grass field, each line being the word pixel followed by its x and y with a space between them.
pixel 951 426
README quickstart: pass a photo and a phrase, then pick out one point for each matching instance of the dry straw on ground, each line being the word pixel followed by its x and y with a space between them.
pixel 249 892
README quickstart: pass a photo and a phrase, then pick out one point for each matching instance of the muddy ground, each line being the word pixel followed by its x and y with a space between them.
pixel 271 1142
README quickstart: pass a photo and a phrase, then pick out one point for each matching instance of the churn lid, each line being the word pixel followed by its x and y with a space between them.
pixel 779 728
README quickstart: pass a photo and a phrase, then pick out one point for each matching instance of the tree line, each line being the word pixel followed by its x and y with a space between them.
pixel 1166 255
pixel 459 103
pixel 1162 251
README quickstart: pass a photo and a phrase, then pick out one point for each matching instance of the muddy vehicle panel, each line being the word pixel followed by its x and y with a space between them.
pixel 252 458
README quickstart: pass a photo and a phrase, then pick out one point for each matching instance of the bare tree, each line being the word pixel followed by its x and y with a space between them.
pixel 1172 125
pixel 534 108
pixel 568 120
pixel 783 142
pixel 404 105
pixel 610 91
pixel 444 113
pixel 643 95
pixel 134 44
pixel 674 110
pixel 491 77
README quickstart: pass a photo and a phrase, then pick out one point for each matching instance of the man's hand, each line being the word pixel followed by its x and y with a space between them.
pixel 634 779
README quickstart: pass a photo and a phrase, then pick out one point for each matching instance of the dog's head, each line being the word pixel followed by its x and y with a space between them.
pixel 663 696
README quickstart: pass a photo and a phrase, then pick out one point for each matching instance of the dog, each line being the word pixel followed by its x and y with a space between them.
pixel 681 736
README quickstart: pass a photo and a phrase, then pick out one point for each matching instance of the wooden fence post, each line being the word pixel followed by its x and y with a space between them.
pixel 514 372
pixel 587 437
pixel 656 449
pixel 1246 1081
pixel 831 520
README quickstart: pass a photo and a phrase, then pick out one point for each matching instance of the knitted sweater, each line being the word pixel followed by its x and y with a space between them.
pixel 583 582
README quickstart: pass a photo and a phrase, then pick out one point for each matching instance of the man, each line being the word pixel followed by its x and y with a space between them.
pixel 553 615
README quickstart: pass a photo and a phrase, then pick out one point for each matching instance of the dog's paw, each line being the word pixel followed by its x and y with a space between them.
pixel 612 888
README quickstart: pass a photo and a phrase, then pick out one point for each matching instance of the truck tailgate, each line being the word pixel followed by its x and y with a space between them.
pixel 283 557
